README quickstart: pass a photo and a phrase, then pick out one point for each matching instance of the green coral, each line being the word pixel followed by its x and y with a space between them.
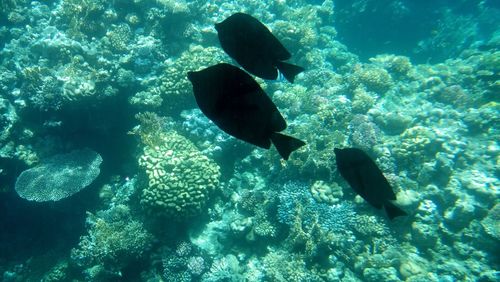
pixel 491 223
pixel 490 62
pixel 119 37
pixel 418 145
pixel 174 7
pixel 57 273
pixel 13 11
pixel 362 100
pixel 147 99
pixel 280 266
pixel 84 18
pixel 113 240
pixel 373 78
pixel 180 179
pixel 396 65
pixel 70 83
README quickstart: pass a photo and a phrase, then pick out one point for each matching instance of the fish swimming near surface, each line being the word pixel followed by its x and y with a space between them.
pixel 367 180
pixel 255 48
pixel 234 101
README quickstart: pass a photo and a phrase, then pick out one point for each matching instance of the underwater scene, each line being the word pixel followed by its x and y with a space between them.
pixel 249 140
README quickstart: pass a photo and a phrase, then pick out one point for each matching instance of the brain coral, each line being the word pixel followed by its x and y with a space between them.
pixel 180 178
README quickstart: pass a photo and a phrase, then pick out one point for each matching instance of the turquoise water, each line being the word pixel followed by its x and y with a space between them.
pixel 109 171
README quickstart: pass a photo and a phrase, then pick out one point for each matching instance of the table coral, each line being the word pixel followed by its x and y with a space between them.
pixel 180 179
pixel 60 176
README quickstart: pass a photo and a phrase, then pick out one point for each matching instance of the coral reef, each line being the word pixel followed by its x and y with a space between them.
pixel 189 203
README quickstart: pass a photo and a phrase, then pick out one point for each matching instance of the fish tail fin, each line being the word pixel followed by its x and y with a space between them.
pixel 286 144
pixel 393 211
pixel 289 71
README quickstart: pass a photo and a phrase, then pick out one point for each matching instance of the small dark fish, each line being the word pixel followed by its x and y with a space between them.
pixel 364 176
pixel 234 101
pixel 255 48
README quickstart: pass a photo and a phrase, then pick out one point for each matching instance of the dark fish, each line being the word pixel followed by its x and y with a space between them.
pixel 234 101
pixel 255 48
pixel 364 176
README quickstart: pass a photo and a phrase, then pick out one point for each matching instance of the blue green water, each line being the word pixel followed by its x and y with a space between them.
pixel 414 84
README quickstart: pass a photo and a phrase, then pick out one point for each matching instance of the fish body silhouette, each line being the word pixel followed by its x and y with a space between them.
pixel 255 48
pixel 367 180
pixel 234 101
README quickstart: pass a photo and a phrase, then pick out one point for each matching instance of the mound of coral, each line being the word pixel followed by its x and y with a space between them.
pixel 179 178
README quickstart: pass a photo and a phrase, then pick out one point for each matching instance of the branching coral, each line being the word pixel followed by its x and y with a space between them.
pixel 296 201
pixel 84 18
pixel 281 266
pixel 114 239
pixel 323 192
pixel 185 263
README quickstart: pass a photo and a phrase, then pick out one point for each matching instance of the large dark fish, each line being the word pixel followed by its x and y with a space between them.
pixel 234 101
pixel 364 176
pixel 255 48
